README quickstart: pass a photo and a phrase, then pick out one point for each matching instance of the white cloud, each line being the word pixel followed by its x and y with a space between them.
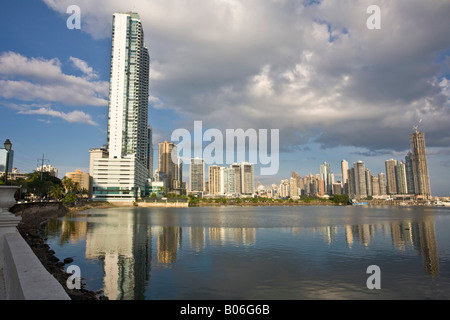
pixel 315 72
pixel 28 79
pixel 84 67
pixel 73 116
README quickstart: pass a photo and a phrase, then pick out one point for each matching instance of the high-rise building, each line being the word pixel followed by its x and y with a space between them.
pixel 247 179
pixel 409 173
pixel 351 182
pixel 128 93
pixel 197 175
pixel 327 177
pixel 375 185
pixel 293 188
pixel 360 180
pixel 344 168
pixel 400 178
pixel 237 176
pixel 167 165
pixel 391 182
pixel 419 165
pixel 369 186
pixel 216 180
pixel 229 181
pixel 382 182
pixel 150 151
pixel 124 174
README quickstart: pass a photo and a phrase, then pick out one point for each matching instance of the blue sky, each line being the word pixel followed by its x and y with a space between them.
pixel 313 70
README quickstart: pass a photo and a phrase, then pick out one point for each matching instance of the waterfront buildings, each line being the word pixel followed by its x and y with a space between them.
pixel 48 168
pixel 80 177
pixel 150 151
pixel 168 166
pixel 197 176
pixel 391 181
pixel 247 179
pixel 420 165
pixel 121 173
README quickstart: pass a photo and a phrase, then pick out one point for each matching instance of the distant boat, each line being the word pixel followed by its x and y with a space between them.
pixel 365 203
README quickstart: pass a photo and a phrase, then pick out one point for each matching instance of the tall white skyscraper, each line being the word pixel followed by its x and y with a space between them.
pixel 128 93
pixel 123 175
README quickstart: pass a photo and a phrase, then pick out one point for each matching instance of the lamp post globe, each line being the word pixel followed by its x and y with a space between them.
pixel 8 146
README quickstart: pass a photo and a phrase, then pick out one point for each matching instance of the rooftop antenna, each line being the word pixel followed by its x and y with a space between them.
pixel 416 127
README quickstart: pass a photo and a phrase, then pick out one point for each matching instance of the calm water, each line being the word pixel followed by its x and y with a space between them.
pixel 304 252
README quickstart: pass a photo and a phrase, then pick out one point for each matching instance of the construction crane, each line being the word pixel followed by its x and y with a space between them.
pixel 416 127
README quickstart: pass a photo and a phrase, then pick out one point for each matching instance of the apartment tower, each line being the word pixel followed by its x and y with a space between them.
pixel 122 176
pixel 419 164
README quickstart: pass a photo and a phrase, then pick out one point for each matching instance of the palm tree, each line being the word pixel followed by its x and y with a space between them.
pixel 56 192
pixel 68 185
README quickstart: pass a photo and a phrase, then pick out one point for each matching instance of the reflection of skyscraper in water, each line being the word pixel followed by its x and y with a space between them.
pixel 125 248
pixel 237 236
pixel 363 233
pixel 424 239
pixel 420 234
pixel 169 240
pixel 401 234
pixel 197 238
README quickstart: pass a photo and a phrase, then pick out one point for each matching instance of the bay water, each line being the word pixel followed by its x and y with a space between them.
pixel 259 252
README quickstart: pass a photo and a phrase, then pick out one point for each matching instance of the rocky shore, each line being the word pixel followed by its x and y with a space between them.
pixel 30 228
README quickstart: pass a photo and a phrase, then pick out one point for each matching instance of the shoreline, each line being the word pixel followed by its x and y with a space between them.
pixel 31 229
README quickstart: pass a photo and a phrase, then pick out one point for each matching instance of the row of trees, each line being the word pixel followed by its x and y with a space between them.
pixel 47 187
pixel 336 199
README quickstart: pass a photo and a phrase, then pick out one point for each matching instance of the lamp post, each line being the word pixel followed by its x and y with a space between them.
pixel 8 146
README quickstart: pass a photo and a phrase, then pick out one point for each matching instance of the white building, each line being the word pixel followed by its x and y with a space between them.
pixel 48 168
pixel 123 175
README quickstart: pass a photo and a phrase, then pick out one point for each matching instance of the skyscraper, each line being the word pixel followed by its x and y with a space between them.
pixel 409 173
pixel 247 179
pixel 197 175
pixel 360 180
pixel 216 180
pixel 326 176
pixel 400 178
pixel 128 93
pixel 344 168
pixel 150 151
pixel 122 176
pixel 420 165
pixel 382 182
pixel 167 165
pixel 391 182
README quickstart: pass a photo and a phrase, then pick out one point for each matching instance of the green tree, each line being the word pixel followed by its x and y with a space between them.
pixel 340 198
pixel 56 192
pixel 69 199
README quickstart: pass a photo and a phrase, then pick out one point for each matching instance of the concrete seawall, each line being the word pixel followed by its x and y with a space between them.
pixel 24 277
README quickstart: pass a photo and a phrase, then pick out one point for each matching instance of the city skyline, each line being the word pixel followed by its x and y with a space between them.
pixel 337 100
